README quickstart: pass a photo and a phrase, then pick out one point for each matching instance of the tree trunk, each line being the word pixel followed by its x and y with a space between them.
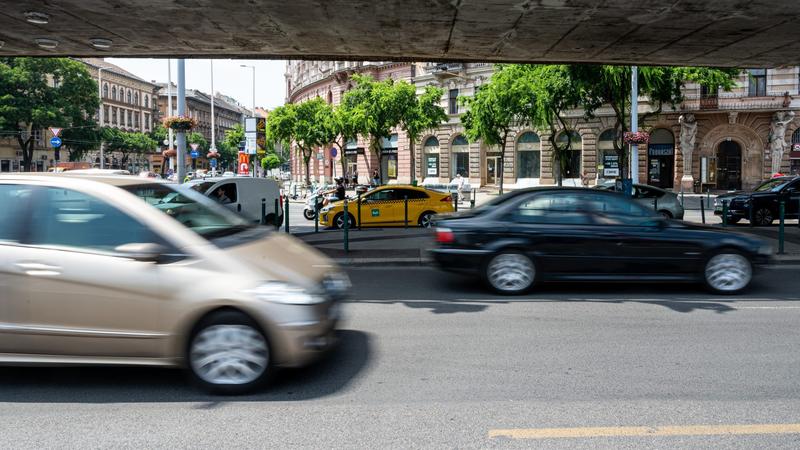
pixel 413 160
pixel 502 161
pixel 26 146
pixel 307 161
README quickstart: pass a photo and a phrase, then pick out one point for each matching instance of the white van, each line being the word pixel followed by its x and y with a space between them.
pixel 243 195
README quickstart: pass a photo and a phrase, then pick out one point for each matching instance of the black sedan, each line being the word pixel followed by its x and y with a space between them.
pixel 577 234
pixel 763 203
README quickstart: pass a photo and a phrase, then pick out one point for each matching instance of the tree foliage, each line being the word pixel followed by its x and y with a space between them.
pixel 271 161
pixel 31 100
pixel 127 143
pixel 302 124
pixel 423 114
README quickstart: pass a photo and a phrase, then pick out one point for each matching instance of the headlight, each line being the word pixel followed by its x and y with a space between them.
pixel 336 284
pixel 279 292
pixel 325 209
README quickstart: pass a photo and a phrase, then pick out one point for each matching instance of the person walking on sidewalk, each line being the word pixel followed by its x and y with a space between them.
pixel 376 179
pixel 355 178
pixel 458 181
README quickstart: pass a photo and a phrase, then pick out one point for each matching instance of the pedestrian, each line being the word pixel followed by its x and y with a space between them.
pixel 585 179
pixel 355 178
pixel 340 193
pixel 376 179
pixel 458 182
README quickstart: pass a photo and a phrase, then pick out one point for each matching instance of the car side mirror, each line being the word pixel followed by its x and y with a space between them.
pixel 145 252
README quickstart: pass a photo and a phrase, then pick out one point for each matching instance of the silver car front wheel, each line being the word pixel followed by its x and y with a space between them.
pixel 510 273
pixel 229 355
pixel 728 272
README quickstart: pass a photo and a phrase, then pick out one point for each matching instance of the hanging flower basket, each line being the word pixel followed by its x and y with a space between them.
pixel 170 153
pixel 180 123
pixel 212 155
pixel 639 137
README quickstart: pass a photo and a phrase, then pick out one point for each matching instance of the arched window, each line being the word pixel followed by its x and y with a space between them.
pixel 796 139
pixel 528 155
pixel 330 97
pixel 130 100
pixel 389 156
pixel 572 157
pixel 114 93
pixel 794 161
pixel 146 101
pixel 430 155
pixel 661 158
pixel 105 90
pixel 136 98
pixel 606 155
pixel 459 158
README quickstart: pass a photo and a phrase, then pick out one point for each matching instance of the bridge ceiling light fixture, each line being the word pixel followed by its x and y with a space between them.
pixel 101 43
pixel 37 18
pixel 47 44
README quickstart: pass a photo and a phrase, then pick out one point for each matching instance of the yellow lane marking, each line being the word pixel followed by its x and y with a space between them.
pixel 688 430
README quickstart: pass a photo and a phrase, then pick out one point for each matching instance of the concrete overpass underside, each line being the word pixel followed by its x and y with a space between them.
pixel 744 33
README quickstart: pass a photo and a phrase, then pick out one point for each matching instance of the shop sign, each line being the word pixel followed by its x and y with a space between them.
pixel 661 150
pixel 610 165
pixel 433 165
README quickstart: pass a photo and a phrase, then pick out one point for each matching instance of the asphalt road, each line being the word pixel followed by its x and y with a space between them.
pixel 430 360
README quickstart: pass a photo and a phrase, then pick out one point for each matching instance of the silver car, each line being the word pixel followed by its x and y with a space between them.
pixel 125 270
pixel 665 202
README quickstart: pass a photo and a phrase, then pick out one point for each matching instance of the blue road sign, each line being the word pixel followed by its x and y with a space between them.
pixel 55 142
pixel 333 152
pixel 194 153
pixel 214 163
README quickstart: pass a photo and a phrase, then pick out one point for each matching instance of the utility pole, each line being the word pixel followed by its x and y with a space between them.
pixel 181 157
pixel 101 114
pixel 213 129
pixel 255 158
pixel 634 123
pixel 170 138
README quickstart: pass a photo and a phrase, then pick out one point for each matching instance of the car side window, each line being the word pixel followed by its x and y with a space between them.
pixel 555 209
pixel 643 192
pixel 225 193
pixel 63 217
pixel 412 194
pixel 617 210
pixel 14 199
pixel 386 194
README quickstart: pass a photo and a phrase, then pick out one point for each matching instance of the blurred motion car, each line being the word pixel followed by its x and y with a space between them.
pixel 385 206
pixel 244 195
pixel 764 201
pixel 124 270
pixel 664 202
pixel 579 234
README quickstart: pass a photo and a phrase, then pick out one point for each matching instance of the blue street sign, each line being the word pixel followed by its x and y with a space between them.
pixel 333 152
pixel 194 153
pixel 55 142
pixel 214 163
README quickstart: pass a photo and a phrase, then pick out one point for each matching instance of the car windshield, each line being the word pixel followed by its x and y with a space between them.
pixel 202 186
pixel 772 185
pixel 190 208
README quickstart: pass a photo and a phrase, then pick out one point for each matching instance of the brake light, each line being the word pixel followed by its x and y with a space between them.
pixel 448 199
pixel 445 236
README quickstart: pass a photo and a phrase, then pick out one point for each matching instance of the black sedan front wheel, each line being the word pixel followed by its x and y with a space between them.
pixel 510 272
pixel 763 216
pixel 728 272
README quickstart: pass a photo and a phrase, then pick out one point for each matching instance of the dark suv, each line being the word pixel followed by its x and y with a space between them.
pixel 764 201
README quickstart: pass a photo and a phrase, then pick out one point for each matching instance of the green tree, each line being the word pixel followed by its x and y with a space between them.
pixel 377 107
pixel 340 128
pixel 504 103
pixel 36 93
pixel 425 113
pixel 271 161
pixel 302 124
pixel 197 138
pixel 601 85
pixel 127 143
pixel 79 139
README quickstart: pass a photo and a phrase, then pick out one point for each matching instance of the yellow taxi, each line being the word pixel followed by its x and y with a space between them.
pixel 385 206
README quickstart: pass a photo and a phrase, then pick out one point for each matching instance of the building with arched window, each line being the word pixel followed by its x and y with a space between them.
pixel 430 159
pixel 528 159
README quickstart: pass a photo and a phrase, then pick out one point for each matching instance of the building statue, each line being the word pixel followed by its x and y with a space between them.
pixel 777 137
pixel 688 136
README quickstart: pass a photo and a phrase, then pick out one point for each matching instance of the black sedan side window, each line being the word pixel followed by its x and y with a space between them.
pixel 617 210
pixel 554 209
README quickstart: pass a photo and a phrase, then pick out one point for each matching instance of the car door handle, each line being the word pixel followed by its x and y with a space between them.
pixel 38 269
pixel 239 207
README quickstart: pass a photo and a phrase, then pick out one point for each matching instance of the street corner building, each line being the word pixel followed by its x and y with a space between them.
pixel 733 139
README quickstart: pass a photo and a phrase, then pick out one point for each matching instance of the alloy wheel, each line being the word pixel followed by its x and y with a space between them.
pixel 229 354
pixel 425 221
pixel 728 272
pixel 340 221
pixel 763 216
pixel 510 272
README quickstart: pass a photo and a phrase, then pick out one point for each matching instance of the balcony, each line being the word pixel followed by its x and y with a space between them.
pixel 444 70
pixel 733 101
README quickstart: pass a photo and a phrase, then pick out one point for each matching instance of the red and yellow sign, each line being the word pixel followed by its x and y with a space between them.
pixel 244 163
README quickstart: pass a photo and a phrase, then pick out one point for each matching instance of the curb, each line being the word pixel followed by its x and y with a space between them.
pixel 424 262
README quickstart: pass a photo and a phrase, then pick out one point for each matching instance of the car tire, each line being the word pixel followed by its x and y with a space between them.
pixel 763 217
pixel 734 220
pixel 510 272
pixel 338 221
pixel 426 219
pixel 229 354
pixel 308 214
pixel 665 214
pixel 727 272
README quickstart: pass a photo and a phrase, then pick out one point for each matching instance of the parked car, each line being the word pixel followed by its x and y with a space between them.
pixel 385 206
pixel 228 173
pixel 99 172
pixel 113 270
pixel 578 234
pixel 243 195
pixel 664 202
pixel 764 201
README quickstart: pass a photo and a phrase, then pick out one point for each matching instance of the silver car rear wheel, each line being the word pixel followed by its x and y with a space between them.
pixel 229 354
pixel 728 272
pixel 510 273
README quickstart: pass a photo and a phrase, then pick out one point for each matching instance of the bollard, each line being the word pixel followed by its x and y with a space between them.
pixel 708 197
pixel 405 206
pixel 455 201
pixel 724 213
pixel 359 212
pixel 316 215
pixel 750 212
pixel 682 205
pixel 286 215
pixel 702 210
pixel 346 227
pixel 472 200
pixel 655 204
pixel 782 218
pixel 263 211
pixel 275 219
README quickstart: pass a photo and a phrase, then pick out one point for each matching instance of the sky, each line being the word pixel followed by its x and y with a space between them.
pixel 229 78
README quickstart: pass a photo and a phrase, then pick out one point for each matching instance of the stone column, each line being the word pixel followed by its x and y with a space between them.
pixel 688 135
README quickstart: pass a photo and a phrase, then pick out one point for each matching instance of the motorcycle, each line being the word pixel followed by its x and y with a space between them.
pixel 311 201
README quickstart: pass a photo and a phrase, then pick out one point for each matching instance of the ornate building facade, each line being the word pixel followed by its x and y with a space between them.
pixel 733 139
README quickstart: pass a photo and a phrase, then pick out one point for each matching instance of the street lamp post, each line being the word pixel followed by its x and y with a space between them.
pixel 170 138
pixel 101 113
pixel 634 123
pixel 181 156
pixel 255 166
pixel 213 130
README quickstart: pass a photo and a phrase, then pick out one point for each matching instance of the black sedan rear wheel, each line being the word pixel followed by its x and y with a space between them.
pixel 728 272
pixel 510 272
pixel 763 216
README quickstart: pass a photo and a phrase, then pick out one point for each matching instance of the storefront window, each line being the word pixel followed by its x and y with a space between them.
pixel 460 156
pixel 572 156
pixel 528 156
pixel 430 152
